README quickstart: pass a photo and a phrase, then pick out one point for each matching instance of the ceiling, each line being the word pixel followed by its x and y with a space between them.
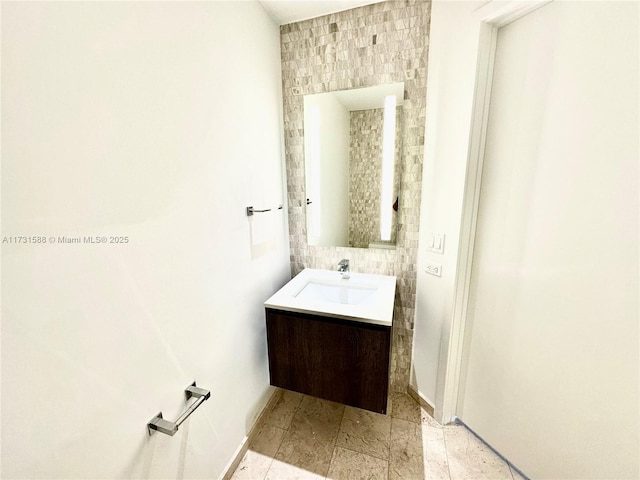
pixel 288 11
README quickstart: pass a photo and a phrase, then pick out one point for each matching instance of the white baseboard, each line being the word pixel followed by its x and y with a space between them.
pixel 421 399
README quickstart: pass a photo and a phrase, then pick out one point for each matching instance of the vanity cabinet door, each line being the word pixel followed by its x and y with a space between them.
pixel 338 360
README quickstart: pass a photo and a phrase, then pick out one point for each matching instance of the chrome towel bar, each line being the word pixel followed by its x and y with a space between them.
pixel 251 210
pixel 159 424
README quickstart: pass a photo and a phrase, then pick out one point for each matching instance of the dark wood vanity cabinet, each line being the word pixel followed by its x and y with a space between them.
pixel 339 360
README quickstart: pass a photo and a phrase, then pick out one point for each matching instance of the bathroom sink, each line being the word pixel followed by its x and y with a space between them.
pixel 345 293
pixel 363 297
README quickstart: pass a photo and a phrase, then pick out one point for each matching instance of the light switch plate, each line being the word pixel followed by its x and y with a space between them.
pixel 434 269
pixel 435 243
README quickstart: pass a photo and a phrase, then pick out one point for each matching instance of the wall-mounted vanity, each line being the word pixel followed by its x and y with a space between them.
pixel 331 338
pixel 352 145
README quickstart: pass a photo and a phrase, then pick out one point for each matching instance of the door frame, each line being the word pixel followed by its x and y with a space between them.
pixel 490 17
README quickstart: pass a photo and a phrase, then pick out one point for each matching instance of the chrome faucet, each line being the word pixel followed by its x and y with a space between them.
pixel 343 268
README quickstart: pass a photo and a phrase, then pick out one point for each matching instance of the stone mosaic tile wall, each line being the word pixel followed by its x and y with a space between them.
pixel 365 169
pixel 381 43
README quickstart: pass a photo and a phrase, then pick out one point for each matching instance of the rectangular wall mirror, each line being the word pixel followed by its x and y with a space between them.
pixel 352 149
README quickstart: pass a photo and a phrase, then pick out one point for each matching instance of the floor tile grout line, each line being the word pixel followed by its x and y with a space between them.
pixel 286 431
pixel 389 464
pixel 266 472
pixel 295 411
pixel 362 453
pixel 335 442
pixel 274 457
pixel 387 460
pixel 446 452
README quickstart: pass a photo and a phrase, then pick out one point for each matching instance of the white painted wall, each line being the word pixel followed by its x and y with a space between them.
pixel 552 363
pixel 454 44
pixel 161 122
pixel 453 47
pixel 327 170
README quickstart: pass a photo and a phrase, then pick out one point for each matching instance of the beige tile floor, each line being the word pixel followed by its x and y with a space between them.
pixel 302 437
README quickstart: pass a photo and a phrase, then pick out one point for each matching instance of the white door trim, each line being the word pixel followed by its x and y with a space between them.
pixel 491 16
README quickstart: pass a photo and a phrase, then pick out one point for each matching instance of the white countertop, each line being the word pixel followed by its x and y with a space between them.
pixel 374 302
